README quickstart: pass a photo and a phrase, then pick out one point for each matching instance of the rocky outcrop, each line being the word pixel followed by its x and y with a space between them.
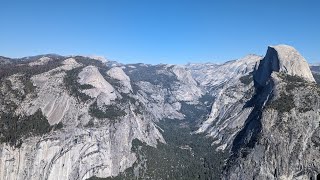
pixel 211 75
pixel 118 74
pixel 284 59
pixel 263 111
pixel 101 89
pixel 42 61
pixel 86 145
pixel 98 112
pixel 279 139
pixel 231 84
pixel 285 145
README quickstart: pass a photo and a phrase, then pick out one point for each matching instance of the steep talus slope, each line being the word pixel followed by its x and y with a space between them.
pixel 280 136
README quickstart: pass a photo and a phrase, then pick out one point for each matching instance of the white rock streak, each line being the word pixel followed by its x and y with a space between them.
pixel 118 74
pixel 103 89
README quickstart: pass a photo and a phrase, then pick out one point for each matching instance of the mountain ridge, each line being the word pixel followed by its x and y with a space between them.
pixel 106 119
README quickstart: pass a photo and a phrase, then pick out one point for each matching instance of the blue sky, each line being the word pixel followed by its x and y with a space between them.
pixel 158 31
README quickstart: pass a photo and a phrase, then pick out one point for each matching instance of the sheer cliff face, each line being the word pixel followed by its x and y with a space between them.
pixel 284 59
pixel 280 138
pixel 287 146
pixel 231 84
pixel 69 120
pixel 76 117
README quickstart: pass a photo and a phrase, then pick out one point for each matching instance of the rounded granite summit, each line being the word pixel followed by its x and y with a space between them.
pixel 285 59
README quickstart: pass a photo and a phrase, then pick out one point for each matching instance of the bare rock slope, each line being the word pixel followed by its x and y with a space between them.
pixel 80 117
pixel 280 137
pixel 285 59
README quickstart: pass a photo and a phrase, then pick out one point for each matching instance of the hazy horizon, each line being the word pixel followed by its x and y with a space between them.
pixel 172 32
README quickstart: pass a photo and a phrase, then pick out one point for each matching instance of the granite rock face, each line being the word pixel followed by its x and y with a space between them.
pixel 87 145
pixel 284 59
pixel 232 85
pixel 76 117
pixel 279 139
pixel 99 110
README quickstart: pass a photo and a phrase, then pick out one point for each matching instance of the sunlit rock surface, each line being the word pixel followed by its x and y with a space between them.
pixel 263 111
pixel 284 59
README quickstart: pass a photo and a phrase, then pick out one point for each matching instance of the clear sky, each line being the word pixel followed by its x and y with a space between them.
pixel 159 31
